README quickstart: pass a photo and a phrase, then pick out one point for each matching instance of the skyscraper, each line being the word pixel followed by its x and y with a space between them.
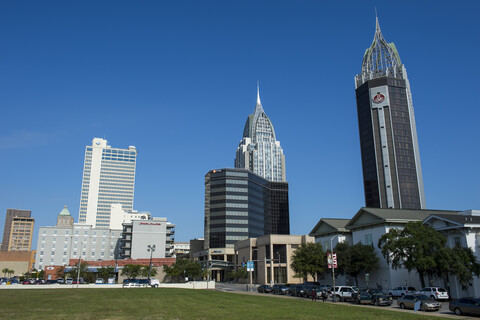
pixel 108 178
pixel 392 172
pixel 18 230
pixel 259 151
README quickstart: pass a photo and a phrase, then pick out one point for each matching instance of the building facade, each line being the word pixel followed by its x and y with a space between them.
pixel 18 230
pixel 240 205
pixel 392 172
pixel 108 178
pixel 138 237
pixel 271 256
pixel 259 151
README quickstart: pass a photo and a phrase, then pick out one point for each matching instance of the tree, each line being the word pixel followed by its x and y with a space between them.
pixel 308 259
pixel 183 267
pixel 105 272
pixel 356 259
pixel 240 273
pixel 459 261
pixel 84 273
pixel 60 273
pixel 145 269
pixel 415 247
pixel 5 271
pixel 131 270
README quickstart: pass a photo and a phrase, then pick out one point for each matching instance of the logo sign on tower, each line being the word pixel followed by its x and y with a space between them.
pixel 378 98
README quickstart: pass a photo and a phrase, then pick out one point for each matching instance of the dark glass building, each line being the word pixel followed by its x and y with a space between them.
pixel 392 172
pixel 240 205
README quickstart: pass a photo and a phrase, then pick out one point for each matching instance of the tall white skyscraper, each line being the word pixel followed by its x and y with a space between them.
pixel 108 178
pixel 259 151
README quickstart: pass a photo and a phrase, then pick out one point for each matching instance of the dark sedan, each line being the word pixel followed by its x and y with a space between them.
pixel 264 288
pixel 465 306
pixel 370 296
pixel 279 289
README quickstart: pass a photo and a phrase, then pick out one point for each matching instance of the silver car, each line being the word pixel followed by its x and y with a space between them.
pixel 424 303
pixel 465 306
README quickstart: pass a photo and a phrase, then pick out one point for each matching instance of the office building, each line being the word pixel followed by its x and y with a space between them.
pixel 18 230
pixel 272 257
pixel 108 178
pixel 240 204
pixel 138 235
pixel 392 172
pixel 67 240
pixel 259 151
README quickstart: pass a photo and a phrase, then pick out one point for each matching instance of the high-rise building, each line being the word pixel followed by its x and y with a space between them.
pixel 259 151
pixel 108 178
pixel 18 230
pixel 240 204
pixel 392 172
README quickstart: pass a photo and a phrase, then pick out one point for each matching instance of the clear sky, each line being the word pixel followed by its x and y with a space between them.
pixel 177 79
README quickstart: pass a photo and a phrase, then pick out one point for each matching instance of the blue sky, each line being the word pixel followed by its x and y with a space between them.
pixel 177 79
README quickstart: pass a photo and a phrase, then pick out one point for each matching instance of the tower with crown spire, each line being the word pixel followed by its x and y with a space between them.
pixel 392 173
pixel 259 151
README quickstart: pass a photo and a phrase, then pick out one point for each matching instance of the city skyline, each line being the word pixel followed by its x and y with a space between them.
pixel 177 83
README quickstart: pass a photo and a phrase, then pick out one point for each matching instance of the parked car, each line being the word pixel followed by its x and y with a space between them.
pixel 50 281
pixel 344 293
pixel 154 283
pixel 469 306
pixel 131 283
pixel 69 281
pixel 408 301
pixel 309 291
pixel 401 291
pixel 111 280
pixel 436 293
pixel 279 289
pixel 26 281
pixel 78 281
pixel 371 296
pixel 60 281
pixel 99 281
pixel 264 288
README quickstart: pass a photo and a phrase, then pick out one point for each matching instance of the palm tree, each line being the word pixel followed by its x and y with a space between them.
pixel 5 271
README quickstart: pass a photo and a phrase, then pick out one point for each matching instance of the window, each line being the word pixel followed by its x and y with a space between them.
pixel 368 240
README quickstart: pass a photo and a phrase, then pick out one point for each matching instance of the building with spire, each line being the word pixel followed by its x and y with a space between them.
pixel 259 151
pixel 392 172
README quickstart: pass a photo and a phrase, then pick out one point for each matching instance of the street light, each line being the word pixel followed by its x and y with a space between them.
pixel 333 268
pixel 151 249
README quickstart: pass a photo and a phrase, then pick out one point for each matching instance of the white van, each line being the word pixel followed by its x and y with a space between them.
pixel 154 283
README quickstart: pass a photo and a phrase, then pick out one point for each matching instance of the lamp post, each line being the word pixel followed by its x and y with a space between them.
pixel 333 268
pixel 151 249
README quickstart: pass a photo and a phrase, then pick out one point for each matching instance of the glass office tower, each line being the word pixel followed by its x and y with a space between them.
pixel 392 172
pixel 240 205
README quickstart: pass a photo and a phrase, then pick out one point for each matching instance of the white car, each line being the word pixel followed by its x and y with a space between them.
pixel 99 281
pixel 435 293
pixel 343 293
pixel 401 291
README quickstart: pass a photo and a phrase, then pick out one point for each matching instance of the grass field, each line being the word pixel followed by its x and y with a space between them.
pixel 150 303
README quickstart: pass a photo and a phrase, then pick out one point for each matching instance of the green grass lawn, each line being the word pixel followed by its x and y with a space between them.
pixel 150 303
